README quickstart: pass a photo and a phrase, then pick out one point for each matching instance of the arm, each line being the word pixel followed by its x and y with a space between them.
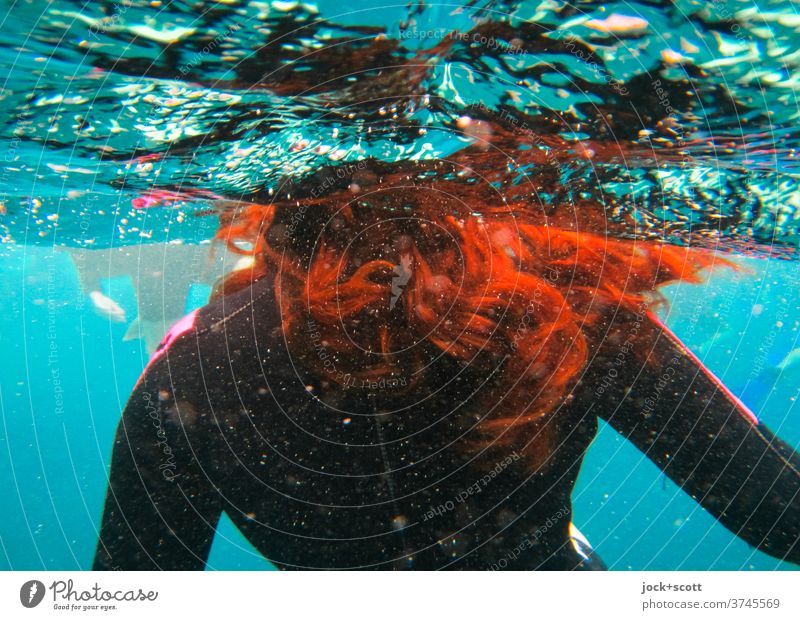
pixel 160 512
pixel 682 418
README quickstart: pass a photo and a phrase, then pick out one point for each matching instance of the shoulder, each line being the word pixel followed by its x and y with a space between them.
pixel 225 316
pixel 240 323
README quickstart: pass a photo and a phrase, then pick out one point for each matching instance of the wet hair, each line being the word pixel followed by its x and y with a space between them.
pixel 389 273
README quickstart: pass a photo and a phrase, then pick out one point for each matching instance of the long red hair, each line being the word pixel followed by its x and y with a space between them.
pixel 392 276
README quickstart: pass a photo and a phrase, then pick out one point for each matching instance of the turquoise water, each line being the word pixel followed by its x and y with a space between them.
pixel 101 113
pixel 56 445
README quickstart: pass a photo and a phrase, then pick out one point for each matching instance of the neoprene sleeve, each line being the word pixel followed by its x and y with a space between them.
pixel 682 418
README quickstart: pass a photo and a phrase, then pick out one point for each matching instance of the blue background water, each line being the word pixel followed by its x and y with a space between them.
pixel 55 445
pixel 65 372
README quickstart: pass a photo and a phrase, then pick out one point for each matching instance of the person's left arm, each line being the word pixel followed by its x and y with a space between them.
pixel 161 511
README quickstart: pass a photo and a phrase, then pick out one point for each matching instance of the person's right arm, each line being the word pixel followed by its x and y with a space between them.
pixel 682 418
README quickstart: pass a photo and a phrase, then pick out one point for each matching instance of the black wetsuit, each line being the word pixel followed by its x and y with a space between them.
pixel 220 421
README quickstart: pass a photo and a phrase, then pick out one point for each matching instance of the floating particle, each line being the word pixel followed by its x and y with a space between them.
pixel 618 24
pixel 298 146
pixel 672 57
pixel 479 131
pixel 167 36
pixel 284 7
pixel 688 46
pixel 399 522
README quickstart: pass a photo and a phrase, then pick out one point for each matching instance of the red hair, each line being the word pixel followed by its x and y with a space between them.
pixel 501 289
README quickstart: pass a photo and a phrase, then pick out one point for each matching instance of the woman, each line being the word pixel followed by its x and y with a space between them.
pixel 409 377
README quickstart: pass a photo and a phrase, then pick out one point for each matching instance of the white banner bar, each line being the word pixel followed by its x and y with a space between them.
pixel 400 596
